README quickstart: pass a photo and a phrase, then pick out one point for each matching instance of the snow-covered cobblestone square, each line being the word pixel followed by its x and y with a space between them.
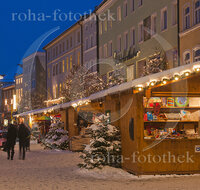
pixel 57 170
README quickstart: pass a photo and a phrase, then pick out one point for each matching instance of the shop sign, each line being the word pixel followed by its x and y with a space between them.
pixel 197 148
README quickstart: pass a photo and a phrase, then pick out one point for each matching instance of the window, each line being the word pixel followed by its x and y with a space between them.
pixel 125 9
pixel 71 65
pixel 60 67
pixel 126 41
pixel 60 48
pixel 140 32
pixel 78 58
pixel 164 19
pixel 147 28
pixel 153 24
pixel 48 55
pixel 186 58
pixel 67 44
pixel 197 12
pixel 49 73
pixel 100 53
pixel 70 42
pixel 33 84
pixel 105 25
pixel 110 24
pixel 133 36
pixel 110 49
pixel 63 46
pixel 140 68
pixel 54 92
pixel 78 37
pixel 132 5
pixel 86 44
pixel 105 50
pixel 100 28
pixel 60 89
pixel 56 50
pixel 119 14
pixel 174 13
pixel 63 66
pixel 91 41
pixel 140 3
pixel 54 70
pixel 67 63
pixel 119 44
pixel 197 55
pixel 187 18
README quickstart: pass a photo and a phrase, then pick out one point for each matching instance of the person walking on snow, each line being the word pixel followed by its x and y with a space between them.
pixel 23 135
pixel 11 141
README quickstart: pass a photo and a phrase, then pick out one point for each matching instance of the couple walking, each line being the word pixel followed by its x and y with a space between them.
pixel 23 134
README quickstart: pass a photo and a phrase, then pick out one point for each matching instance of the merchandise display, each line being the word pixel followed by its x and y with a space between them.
pixel 171 118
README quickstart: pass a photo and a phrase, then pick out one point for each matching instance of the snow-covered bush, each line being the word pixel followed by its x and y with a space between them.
pixel 104 148
pixel 56 138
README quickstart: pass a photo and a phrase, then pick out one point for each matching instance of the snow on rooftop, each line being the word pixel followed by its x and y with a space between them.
pixel 123 87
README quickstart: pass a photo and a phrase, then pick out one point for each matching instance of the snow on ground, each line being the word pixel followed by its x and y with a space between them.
pixel 57 170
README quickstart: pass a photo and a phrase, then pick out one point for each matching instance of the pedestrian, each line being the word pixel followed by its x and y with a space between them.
pixel 28 139
pixel 11 141
pixel 23 136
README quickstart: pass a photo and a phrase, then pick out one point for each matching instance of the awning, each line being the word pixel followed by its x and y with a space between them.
pixel 144 81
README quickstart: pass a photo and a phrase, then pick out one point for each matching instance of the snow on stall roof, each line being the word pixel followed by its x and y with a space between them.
pixel 120 88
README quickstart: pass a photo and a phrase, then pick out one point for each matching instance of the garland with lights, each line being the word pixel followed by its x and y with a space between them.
pixel 166 80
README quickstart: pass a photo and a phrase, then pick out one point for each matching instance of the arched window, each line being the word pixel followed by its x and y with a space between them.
pixel 197 54
pixel 197 12
pixel 186 58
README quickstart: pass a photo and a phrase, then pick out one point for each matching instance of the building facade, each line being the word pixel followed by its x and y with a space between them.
pixel 34 81
pixel 8 106
pixel 63 54
pixel 19 91
pixel 137 31
pixel 90 49
pixel 189 14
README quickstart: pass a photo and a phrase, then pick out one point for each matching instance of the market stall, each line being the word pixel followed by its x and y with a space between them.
pixel 161 130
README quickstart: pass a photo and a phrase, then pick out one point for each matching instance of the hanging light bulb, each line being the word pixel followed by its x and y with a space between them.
pixel 176 77
pixel 187 74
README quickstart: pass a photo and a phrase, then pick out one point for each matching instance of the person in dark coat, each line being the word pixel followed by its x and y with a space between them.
pixel 11 141
pixel 23 135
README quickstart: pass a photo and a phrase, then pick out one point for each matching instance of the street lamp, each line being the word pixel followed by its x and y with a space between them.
pixel 1 77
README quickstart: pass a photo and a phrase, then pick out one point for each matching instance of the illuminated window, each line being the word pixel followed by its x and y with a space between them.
pixel 67 64
pixel 63 66
pixel 119 14
pixel 186 58
pixel 197 54
pixel 71 62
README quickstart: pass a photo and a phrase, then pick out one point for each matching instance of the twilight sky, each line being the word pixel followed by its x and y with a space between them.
pixel 29 25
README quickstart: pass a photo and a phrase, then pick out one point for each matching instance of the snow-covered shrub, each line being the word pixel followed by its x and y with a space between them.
pixel 104 148
pixel 56 138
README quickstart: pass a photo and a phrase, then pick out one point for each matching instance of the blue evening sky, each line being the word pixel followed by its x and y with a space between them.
pixel 21 35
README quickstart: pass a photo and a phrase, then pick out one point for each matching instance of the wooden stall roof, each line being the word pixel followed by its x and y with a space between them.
pixel 144 81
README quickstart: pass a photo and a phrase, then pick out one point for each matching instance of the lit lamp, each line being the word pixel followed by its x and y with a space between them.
pixel 187 74
pixel 1 77
pixel 197 69
pixel 176 77
pixel 164 81
pixel 152 83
